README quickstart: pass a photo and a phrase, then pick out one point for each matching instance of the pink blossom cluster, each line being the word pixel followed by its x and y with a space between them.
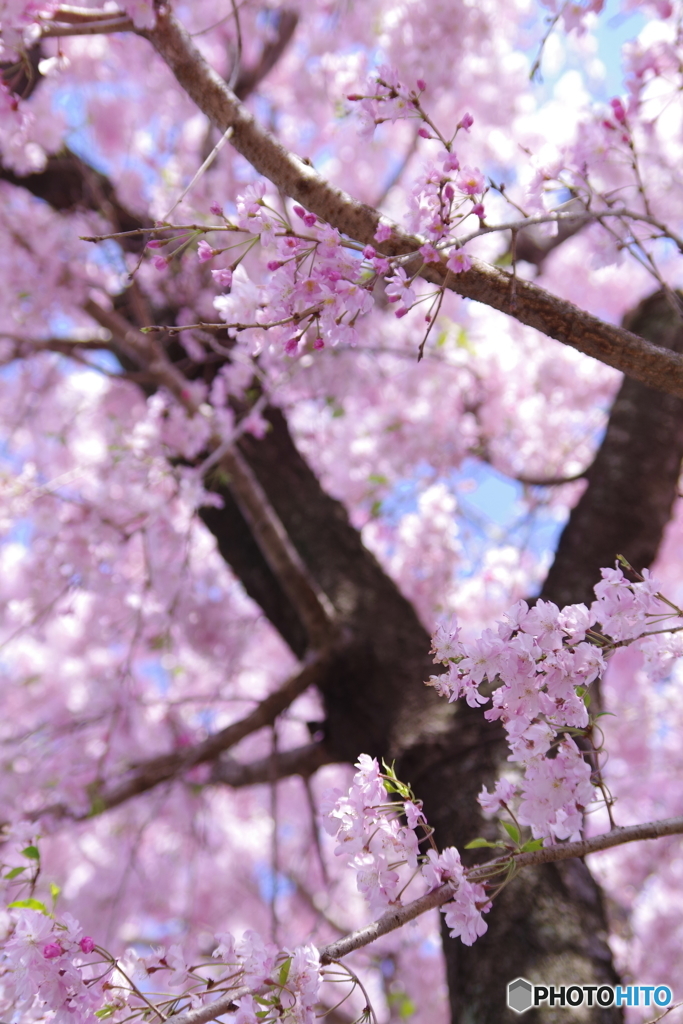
pixel 369 831
pixel 299 974
pixel 463 914
pixel 43 964
pixel 370 834
pixel 42 968
pixel 295 976
pixel 317 283
pixel 439 202
pixel 540 662
pixel 19 23
pixel 387 99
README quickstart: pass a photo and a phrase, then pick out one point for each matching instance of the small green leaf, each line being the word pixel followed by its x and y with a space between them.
pixel 98 806
pixel 533 844
pixel 54 892
pixel 29 904
pixel 512 831
pixel 31 852
pixel 477 843
pixel 377 478
pixel 587 699
pixel 106 1011
pixel 283 973
pixel 403 1004
pixel 14 872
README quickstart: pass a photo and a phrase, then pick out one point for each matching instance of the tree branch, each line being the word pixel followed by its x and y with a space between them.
pixel 105 26
pixel 397 917
pixel 633 480
pixel 313 606
pixel 251 77
pixel 146 776
pixel 304 761
pixel 527 303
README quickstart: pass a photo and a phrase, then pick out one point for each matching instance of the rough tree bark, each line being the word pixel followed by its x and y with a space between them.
pixel 632 485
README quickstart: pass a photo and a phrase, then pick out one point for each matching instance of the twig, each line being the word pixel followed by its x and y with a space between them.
pixel 204 167
pixel 90 28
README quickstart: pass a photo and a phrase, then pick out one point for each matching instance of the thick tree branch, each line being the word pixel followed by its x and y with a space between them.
pixel 146 776
pixel 633 481
pixel 313 606
pixel 523 300
pixel 302 761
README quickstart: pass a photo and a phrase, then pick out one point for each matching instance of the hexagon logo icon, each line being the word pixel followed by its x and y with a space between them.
pixel 520 995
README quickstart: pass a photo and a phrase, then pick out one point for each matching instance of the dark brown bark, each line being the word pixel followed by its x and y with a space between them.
pixel 633 481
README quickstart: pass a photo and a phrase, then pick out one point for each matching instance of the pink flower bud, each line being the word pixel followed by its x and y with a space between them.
pixel 205 252
pixel 618 109
pixel 52 950
pixel 274 265
pixel 155 243
pixel 318 343
pixel 216 209
pixel 421 84
pixel 299 211
pixel 449 191
pixel 466 122
pixel 401 312
pixel 354 97
pixel 369 252
pixel 478 210
pixel 160 262
pixel 87 944
pixel 310 219
pixel 292 346
pixel 424 134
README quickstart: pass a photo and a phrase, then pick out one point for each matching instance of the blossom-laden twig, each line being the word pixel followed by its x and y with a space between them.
pixel 530 304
